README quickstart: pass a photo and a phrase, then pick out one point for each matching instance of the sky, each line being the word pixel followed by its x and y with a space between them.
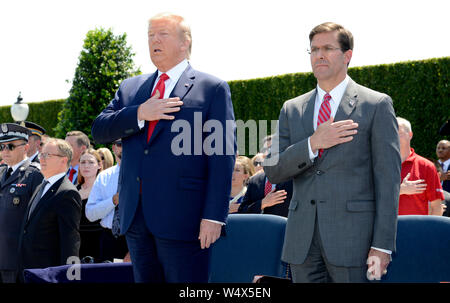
pixel 232 39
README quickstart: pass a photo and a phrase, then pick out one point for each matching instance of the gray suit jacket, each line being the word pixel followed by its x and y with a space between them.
pixel 353 189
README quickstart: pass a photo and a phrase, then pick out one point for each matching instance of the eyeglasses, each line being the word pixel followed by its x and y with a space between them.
pixel 326 50
pixel 46 155
pixel 10 146
pixel 118 144
pixel 257 163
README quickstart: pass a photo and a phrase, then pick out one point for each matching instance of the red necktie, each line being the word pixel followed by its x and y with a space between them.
pixel 161 87
pixel 71 174
pixel 324 114
pixel 267 188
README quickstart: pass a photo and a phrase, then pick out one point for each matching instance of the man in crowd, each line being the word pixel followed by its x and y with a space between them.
pixel 35 140
pixel 339 143
pixel 51 226
pixel 443 154
pixel 79 142
pixel 18 180
pixel 173 200
pixel 420 181
pixel 102 203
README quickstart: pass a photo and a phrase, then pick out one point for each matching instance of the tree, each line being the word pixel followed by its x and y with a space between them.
pixel 104 62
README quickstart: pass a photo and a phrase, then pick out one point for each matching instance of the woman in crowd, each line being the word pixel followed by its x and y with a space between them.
pixel 90 166
pixel 243 170
pixel 106 156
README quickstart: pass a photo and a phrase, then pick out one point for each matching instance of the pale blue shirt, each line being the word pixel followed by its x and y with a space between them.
pixel 100 202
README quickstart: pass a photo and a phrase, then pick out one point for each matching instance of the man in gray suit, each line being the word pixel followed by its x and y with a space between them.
pixel 339 143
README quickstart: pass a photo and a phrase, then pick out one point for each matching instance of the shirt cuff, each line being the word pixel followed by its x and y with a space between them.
pixel 214 221
pixel 311 154
pixel 386 251
pixel 141 123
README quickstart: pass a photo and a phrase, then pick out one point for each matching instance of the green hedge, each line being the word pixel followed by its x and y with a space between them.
pixel 43 113
pixel 420 90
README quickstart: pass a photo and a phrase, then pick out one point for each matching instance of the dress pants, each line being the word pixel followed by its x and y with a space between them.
pixel 317 269
pixel 163 260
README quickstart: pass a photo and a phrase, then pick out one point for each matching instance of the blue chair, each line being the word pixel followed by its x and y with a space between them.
pixel 423 250
pixel 252 246
pixel 89 273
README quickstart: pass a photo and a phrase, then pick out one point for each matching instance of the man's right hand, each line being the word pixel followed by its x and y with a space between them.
pixel 273 198
pixel 330 133
pixel 412 187
pixel 157 109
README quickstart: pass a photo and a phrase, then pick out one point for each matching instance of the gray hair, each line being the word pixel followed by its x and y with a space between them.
pixel 405 123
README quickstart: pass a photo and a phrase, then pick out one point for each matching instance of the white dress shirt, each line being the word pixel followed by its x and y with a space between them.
pixel 446 165
pixel 52 180
pixel 100 202
pixel 16 166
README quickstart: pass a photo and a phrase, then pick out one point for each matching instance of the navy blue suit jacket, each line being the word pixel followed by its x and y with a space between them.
pixel 178 191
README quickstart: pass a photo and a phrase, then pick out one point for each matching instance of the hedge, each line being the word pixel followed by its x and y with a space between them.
pixel 420 91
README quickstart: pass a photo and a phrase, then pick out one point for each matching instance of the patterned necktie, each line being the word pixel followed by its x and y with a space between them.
pixel 38 197
pixel 324 114
pixel 161 87
pixel 71 174
pixel 267 188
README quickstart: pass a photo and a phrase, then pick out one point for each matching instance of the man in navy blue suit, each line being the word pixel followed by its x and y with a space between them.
pixel 177 128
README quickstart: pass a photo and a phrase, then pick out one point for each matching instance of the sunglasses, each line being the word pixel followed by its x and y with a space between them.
pixel 10 146
pixel 257 163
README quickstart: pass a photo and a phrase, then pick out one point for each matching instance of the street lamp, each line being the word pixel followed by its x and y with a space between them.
pixel 19 110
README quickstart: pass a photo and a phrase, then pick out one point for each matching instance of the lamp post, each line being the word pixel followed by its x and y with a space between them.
pixel 19 110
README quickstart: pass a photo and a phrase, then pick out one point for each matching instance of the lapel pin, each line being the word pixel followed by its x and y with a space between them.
pixel 12 190
pixel 186 85
pixel 352 102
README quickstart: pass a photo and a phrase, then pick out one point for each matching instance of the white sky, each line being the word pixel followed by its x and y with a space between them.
pixel 232 39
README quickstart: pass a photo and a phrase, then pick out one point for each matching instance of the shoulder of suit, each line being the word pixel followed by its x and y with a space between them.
pixel 368 94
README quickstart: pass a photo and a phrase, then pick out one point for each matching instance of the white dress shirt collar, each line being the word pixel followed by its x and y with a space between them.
pixel 174 75
pixel 52 180
pixel 16 166
pixel 336 93
pixel 446 164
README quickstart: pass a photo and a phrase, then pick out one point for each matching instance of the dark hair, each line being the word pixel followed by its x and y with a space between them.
pixel 345 37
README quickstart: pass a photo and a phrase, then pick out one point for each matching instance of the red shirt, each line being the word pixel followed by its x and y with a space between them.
pixel 420 168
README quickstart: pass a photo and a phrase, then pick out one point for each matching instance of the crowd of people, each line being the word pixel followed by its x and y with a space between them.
pixel 61 198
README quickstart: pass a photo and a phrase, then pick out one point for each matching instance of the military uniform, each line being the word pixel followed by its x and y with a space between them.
pixel 15 194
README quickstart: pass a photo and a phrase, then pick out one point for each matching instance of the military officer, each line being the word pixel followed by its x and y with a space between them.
pixel 18 179
pixel 34 140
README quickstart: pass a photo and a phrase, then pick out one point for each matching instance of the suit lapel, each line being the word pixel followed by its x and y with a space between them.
pixel 308 114
pixel 49 194
pixel 348 102
pixel 180 90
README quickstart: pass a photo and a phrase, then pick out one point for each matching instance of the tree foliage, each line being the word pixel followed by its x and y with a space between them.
pixel 104 62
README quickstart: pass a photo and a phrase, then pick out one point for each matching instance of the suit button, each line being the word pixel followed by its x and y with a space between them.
pixel 24 232
pixel 146 152
pixel 302 165
pixel 319 172
pixel 313 202
pixel 138 179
